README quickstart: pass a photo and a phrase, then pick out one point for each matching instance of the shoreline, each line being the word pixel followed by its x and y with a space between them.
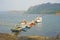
pixel 4 36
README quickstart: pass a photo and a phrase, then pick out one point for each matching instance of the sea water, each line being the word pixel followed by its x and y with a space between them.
pixel 50 25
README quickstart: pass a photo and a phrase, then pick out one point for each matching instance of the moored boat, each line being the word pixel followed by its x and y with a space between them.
pixel 38 20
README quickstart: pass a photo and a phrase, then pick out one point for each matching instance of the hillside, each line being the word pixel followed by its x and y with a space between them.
pixel 47 8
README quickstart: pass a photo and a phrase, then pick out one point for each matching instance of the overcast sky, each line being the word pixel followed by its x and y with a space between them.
pixel 6 5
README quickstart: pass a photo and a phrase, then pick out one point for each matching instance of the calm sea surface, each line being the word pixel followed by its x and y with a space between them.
pixel 50 25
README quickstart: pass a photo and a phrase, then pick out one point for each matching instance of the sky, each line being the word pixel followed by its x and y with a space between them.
pixel 8 5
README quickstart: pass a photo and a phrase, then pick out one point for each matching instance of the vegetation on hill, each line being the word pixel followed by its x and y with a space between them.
pixel 47 8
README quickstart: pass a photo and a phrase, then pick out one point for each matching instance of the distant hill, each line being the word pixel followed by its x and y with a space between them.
pixel 47 8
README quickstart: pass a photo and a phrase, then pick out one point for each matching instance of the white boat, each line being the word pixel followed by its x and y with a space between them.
pixel 38 19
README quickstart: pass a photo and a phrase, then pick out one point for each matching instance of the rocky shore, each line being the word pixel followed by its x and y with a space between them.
pixel 4 36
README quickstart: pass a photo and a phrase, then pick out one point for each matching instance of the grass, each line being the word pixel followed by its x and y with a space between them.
pixel 4 36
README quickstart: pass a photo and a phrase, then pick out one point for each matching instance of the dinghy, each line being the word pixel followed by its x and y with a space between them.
pixel 18 29
pixel 38 20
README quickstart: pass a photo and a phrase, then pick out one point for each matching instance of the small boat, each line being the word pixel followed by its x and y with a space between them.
pixel 38 19
pixel 24 22
pixel 18 29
